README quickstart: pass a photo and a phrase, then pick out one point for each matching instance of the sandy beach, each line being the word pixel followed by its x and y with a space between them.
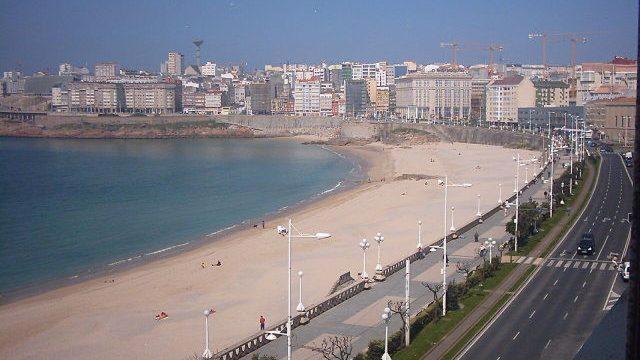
pixel 107 320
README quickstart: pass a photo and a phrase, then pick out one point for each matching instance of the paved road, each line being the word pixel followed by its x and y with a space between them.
pixel 566 298
pixel 359 316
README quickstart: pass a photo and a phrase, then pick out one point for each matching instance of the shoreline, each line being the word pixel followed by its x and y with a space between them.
pixel 88 318
pixel 119 267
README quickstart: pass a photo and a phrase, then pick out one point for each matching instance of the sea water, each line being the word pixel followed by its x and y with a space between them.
pixel 70 208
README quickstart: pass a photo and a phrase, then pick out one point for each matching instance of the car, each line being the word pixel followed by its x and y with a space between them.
pixel 625 270
pixel 586 246
pixel 628 162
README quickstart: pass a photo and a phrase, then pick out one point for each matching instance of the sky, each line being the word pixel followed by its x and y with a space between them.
pixel 39 35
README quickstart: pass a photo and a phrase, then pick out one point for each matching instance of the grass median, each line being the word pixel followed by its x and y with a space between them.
pixel 431 334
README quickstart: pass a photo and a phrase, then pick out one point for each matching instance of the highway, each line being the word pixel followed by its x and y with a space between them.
pixel 568 295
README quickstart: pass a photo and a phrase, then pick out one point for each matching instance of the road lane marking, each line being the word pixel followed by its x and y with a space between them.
pixel 516 335
pixel 555 282
pixel 586 265
pixel 603 266
pixel 576 264
pixel 575 298
pixel 602 247
pixel 567 264
pixel 545 296
pixel 547 345
pixel 559 263
pixel 565 316
pixel 530 316
pixel 584 284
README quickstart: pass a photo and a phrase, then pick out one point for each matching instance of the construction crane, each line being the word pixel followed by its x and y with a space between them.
pixel 574 37
pixel 492 50
pixel 543 37
pixel 454 50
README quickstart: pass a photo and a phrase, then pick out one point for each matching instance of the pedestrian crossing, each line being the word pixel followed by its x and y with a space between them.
pixel 611 300
pixel 581 264
pixel 564 263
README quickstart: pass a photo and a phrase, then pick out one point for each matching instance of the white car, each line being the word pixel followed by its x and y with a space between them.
pixel 626 268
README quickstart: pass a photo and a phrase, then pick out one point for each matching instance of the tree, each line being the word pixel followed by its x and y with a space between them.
pixel 434 288
pixel 400 308
pixel 465 267
pixel 337 347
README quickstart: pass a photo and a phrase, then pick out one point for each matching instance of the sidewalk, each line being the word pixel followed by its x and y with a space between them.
pixel 451 339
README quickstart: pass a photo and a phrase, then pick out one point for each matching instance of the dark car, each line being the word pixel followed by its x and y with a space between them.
pixel 586 246
pixel 628 162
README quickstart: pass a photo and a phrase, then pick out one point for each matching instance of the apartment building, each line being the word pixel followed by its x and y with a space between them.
pixel 106 71
pixel 151 98
pixel 591 77
pixel 551 93
pixel 208 69
pixel 94 97
pixel 174 63
pixel 437 95
pixel 613 119
pixel 306 96
pixel 505 96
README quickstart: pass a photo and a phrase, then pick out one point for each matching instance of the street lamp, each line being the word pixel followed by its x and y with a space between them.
pixel 490 243
pixel 364 245
pixel 453 228
pixel 300 307
pixel 271 335
pixel 207 352
pixel 379 239
pixel 419 244
pixel 499 193
pixel 478 213
pixel 386 317
pixel 446 185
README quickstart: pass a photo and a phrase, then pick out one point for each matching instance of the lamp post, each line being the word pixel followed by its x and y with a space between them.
pixel 207 352
pixel 364 245
pixel 490 243
pixel 453 228
pixel 446 185
pixel 478 213
pixel 499 193
pixel 379 239
pixel 386 317
pixel 300 307
pixel 271 335
pixel 419 244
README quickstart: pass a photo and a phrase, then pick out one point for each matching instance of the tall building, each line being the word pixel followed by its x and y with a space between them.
pixel 105 71
pixel 596 78
pixel 551 93
pixel 306 96
pixel 436 95
pixel 174 63
pixel 357 98
pixel 505 96
pixel 259 102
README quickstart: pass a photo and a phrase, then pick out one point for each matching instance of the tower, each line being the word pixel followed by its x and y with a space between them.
pixel 198 43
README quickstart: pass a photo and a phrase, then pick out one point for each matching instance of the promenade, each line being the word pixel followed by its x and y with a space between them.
pixel 360 316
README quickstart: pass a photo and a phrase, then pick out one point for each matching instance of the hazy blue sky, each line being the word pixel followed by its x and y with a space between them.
pixel 41 34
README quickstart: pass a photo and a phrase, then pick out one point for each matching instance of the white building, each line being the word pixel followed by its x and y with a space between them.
pixel 505 96
pixel 438 95
pixel 213 102
pixel 208 69
pixel 105 71
pixel 306 97
pixel 326 104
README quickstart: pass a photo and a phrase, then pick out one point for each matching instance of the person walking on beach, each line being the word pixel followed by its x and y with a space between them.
pixel 262 322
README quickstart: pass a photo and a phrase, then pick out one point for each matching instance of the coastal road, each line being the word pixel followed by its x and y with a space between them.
pixel 360 316
pixel 556 311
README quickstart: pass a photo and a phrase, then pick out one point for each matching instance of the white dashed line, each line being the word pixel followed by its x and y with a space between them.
pixel 547 345
pixel 533 312
pixel 516 335
pixel 575 298
pixel 555 282
pixel 565 316
pixel 545 296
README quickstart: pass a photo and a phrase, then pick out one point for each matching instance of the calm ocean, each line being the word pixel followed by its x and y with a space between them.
pixel 76 207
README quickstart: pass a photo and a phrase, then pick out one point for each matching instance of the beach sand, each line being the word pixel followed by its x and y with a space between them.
pixel 99 320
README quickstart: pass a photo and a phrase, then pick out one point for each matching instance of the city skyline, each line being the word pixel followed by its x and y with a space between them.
pixel 310 32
